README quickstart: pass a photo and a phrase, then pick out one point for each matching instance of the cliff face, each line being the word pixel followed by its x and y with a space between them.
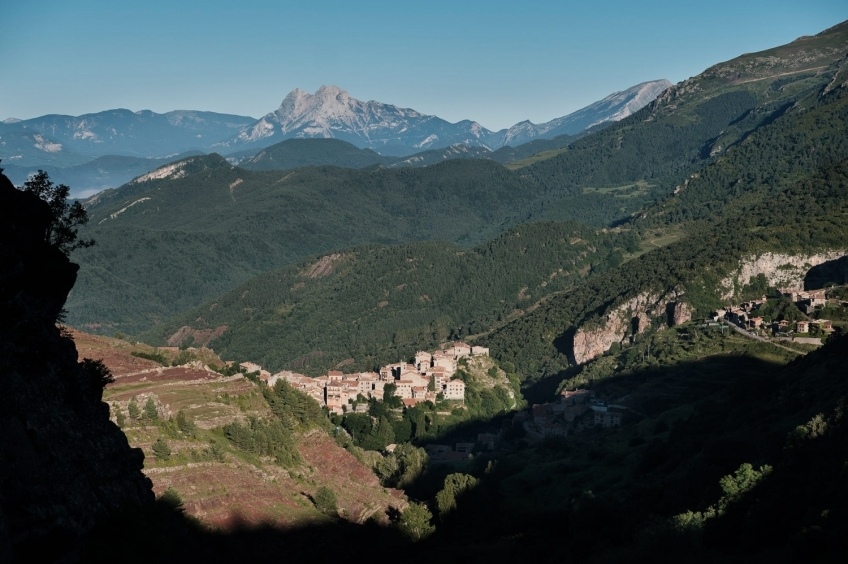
pixel 781 270
pixel 637 314
pixel 62 462
pixel 634 316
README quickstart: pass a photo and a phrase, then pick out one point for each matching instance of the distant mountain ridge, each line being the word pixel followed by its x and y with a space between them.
pixel 58 142
pixel 68 140
pixel 390 130
pixel 729 138
pixel 614 107
pixel 332 113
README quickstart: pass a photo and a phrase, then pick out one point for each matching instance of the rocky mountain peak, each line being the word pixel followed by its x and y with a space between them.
pixel 331 92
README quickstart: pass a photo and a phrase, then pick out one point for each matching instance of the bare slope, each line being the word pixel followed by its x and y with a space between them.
pixel 219 484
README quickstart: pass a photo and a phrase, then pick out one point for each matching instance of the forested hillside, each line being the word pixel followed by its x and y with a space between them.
pixel 373 305
pixel 809 217
pixel 298 153
pixel 698 120
pixel 741 131
pixel 177 237
pixel 593 268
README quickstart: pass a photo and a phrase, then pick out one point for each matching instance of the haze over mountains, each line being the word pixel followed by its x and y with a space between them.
pixel 137 142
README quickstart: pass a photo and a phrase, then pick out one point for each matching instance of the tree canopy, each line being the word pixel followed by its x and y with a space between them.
pixel 65 217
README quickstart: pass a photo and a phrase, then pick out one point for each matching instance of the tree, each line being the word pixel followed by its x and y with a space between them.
pixel 119 416
pixel 132 409
pixel 739 483
pixel 389 397
pixel 99 375
pixel 161 450
pixel 185 425
pixel 415 522
pixel 65 217
pixel 172 499
pixel 411 461
pixel 150 411
pixel 455 485
pixel 325 501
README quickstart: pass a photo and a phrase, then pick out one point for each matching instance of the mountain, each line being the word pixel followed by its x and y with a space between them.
pixel 375 304
pixel 93 176
pixel 725 447
pixel 709 118
pixel 332 113
pixel 199 227
pixel 67 140
pixel 614 107
pixel 296 153
pixel 434 156
pixel 760 180
pixel 57 142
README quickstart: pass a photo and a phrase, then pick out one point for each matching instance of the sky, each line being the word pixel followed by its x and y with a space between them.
pixel 495 62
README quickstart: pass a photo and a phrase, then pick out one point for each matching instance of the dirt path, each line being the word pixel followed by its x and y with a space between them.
pixel 780 74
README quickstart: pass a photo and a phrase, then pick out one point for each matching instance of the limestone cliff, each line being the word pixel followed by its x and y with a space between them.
pixel 781 270
pixel 62 462
pixel 633 316
pixel 637 314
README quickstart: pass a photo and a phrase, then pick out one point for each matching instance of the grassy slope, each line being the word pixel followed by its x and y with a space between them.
pixel 188 239
pixel 232 488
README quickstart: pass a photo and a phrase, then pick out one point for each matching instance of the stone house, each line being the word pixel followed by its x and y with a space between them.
pixel 825 325
pixel 250 367
pixel 608 418
pixel 423 361
pixel 459 350
pixel 455 390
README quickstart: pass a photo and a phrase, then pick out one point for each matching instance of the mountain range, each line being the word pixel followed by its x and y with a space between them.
pixel 198 227
pixel 67 146
pixel 333 113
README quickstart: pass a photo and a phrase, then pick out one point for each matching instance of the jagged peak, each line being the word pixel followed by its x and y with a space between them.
pixel 330 91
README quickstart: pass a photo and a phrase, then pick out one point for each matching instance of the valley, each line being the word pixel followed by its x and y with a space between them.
pixel 625 343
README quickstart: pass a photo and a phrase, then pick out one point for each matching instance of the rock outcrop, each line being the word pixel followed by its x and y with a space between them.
pixel 679 312
pixel 63 464
pixel 781 270
pixel 592 342
pixel 632 317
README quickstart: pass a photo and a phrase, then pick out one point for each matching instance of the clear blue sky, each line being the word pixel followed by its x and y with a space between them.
pixel 491 61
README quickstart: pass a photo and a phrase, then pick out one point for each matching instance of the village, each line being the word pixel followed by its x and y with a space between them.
pixel 429 378
pixel 745 316
pixel 578 410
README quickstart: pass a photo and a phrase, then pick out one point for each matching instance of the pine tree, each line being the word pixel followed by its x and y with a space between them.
pixel 132 409
pixel 150 411
pixel 415 522
pixel 185 425
pixel 119 416
pixel 161 450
